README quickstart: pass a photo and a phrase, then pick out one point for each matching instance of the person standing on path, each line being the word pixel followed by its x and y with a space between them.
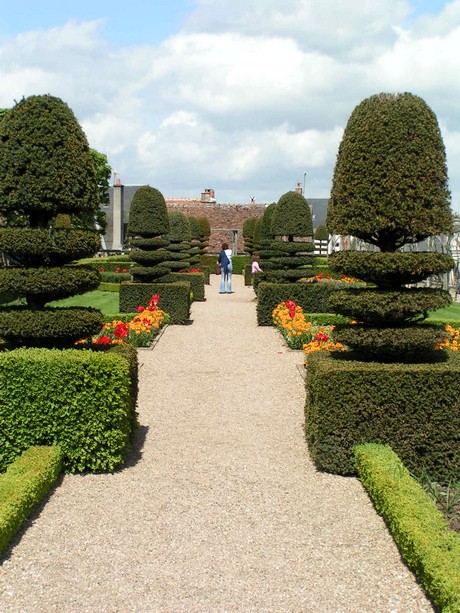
pixel 225 261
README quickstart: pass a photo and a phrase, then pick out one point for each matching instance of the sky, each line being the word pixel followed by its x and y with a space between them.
pixel 246 97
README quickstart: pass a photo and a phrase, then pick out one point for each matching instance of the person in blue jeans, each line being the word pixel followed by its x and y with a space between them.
pixel 225 261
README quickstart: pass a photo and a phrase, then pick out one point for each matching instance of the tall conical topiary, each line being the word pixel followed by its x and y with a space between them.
pixel 195 242
pixel 46 174
pixel 390 189
pixel 148 225
pixel 248 234
pixel 205 233
pixel 179 241
pixel 292 226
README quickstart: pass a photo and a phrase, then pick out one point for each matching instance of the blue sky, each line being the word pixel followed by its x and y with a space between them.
pixel 242 96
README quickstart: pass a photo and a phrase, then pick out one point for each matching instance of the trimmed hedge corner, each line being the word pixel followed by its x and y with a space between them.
pixel 423 537
pixel 196 280
pixel 174 298
pixel 312 297
pixel 82 400
pixel 413 407
pixel 26 481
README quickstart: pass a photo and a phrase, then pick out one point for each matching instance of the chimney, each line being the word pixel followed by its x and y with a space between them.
pixel 208 195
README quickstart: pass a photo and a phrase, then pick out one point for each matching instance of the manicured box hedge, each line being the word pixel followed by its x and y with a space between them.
pixel 174 298
pixel 196 280
pixel 247 274
pixel 413 407
pixel 423 536
pixel 312 297
pixel 82 400
pixel 26 481
pixel 238 262
pixel 109 263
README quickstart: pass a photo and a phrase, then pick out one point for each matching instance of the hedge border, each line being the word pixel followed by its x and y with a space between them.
pixel 430 548
pixel 25 483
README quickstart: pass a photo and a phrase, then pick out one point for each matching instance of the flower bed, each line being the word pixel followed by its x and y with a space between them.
pixel 139 331
pixel 299 333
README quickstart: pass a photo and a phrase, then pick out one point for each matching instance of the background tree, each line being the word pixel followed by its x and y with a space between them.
pixel 390 189
pixel 179 237
pixel 148 225
pixel 321 233
pixel 46 172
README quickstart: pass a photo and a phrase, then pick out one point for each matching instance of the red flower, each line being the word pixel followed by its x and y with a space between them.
pixel 155 299
pixel 121 330
pixel 124 270
pixel 101 269
pixel 104 340
pixel 117 269
pixel 322 338
pixel 195 270
pixel 291 306
pixel 320 276
pixel 152 307
pixel 139 309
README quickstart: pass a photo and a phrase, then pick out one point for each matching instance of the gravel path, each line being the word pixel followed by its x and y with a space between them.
pixel 220 509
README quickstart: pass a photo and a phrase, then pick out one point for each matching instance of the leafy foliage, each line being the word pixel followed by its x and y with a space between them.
pixel 292 216
pixel 390 179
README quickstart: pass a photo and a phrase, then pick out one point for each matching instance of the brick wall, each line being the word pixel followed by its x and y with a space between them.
pixel 226 220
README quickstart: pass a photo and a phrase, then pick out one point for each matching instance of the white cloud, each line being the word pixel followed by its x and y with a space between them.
pixel 249 96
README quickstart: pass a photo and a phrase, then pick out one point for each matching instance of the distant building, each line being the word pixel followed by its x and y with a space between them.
pixel 226 220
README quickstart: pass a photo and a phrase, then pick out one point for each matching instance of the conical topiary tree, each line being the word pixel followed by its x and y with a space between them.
pixel 148 225
pixel 390 189
pixel 46 175
pixel 195 242
pixel 179 241
pixel 205 233
pixel 292 226
pixel 248 234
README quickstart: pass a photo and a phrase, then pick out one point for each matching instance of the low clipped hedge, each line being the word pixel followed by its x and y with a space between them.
pixel 50 327
pixel 423 536
pixel 79 399
pixel 312 297
pixel 196 280
pixel 115 277
pixel 109 263
pixel 109 287
pixel 247 272
pixel 26 481
pixel 174 298
pixel 238 262
pixel 413 407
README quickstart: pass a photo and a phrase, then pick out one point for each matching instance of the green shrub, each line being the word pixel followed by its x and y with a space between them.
pixel 26 481
pixel 81 400
pixel 115 277
pixel 238 262
pixel 49 201
pixel 51 327
pixel 196 280
pixel 413 407
pixel 312 297
pixel 109 287
pixel 424 539
pixel 108 263
pixel 247 274
pixel 174 298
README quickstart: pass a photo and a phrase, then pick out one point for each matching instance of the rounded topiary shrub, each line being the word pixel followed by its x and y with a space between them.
pixel 195 241
pixel 49 200
pixel 389 190
pixel 148 225
pixel 289 246
pixel 248 234
pixel 179 237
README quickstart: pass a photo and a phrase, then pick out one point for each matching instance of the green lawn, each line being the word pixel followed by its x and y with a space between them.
pixel 449 314
pixel 107 302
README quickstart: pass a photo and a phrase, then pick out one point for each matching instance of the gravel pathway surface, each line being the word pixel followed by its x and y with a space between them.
pixel 220 508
